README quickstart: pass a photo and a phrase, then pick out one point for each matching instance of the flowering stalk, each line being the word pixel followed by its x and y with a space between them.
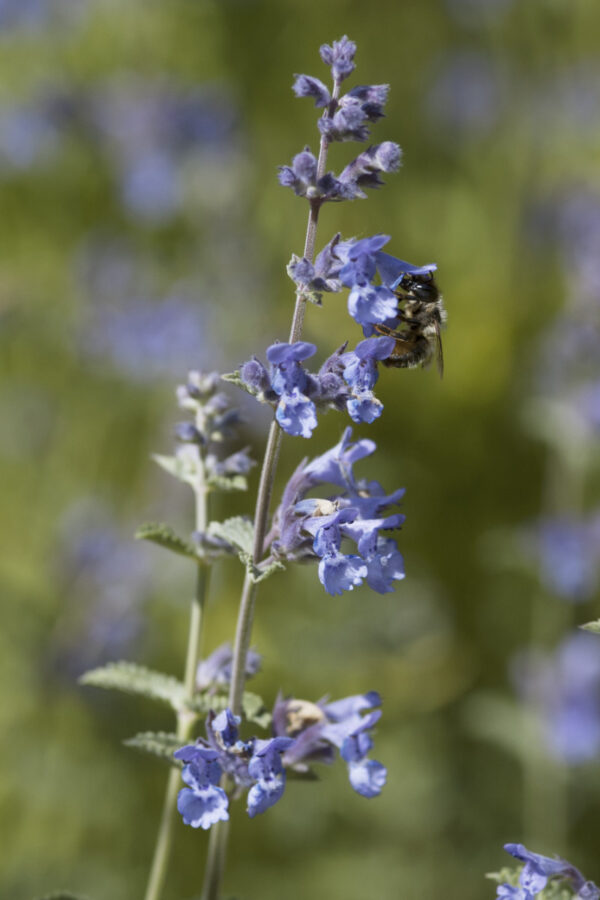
pixel 269 466
pixel 185 718
pixel 215 863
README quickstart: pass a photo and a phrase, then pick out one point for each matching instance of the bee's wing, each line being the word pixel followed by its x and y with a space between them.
pixel 439 352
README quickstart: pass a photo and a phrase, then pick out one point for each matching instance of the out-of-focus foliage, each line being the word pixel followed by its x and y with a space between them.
pixel 144 232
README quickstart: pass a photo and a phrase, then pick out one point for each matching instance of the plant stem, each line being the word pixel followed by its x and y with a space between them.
pixel 215 860
pixel 216 854
pixel 185 718
pixel 269 466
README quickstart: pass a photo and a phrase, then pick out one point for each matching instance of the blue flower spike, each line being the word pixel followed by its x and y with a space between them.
pixel 538 870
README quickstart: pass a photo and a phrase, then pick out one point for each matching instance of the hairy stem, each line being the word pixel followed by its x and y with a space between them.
pixel 271 457
pixel 217 846
pixel 185 718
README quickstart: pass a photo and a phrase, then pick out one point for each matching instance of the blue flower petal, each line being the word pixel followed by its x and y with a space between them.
pixel 203 807
pixel 341 573
pixel 367 777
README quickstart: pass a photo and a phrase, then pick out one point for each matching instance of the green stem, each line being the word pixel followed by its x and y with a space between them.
pixel 185 718
pixel 215 860
pixel 217 846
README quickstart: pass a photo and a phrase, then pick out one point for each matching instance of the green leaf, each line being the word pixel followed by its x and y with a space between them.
pixel 592 626
pixel 164 536
pixel 259 573
pixel 236 379
pixel 177 466
pixel 157 743
pixel 237 531
pixel 204 702
pixel 253 706
pixel 133 679
pixel 233 483
pixel 254 709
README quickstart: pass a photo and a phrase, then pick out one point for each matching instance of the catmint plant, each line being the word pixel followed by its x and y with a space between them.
pixel 227 745
pixel 542 876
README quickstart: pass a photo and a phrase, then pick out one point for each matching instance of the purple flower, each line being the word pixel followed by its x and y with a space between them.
pixel 335 466
pixel 539 869
pixel 216 668
pixel 564 690
pixel 320 728
pixel 569 550
pixel 340 56
pixel 296 414
pixel 466 94
pixel 286 371
pixel 356 108
pixel 255 765
pixel 266 768
pixel 323 275
pixel 363 172
pixel 360 364
pixel 307 86
pixel 316 527
pixel 203 802
pixel 301 175
pixel 360 374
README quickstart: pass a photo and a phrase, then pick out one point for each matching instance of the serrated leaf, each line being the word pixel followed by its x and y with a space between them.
pixel 254 709
pixel 253 706
pixel 259 573
pixel 592 626
pixel 133 679
pixel 233 483
pixel 237 531
pixel 165 536
pixel 203 702
pixel 315 297
pixel 177 466
pixel 236 379
pixel 157 743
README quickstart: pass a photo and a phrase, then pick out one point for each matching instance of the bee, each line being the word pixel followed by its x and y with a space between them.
pixel 421 315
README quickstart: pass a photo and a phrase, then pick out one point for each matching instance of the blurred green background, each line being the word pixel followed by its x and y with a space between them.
pixel 143 233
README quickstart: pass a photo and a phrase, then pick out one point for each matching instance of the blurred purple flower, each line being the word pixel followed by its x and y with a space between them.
pixel 105 580
pixel 152 131
pixel 465 96
pixel 129 324
pixel 569 556
pixel 564 689
pixel 474 12
pixel 28 136
pixel 144 339
pixel 33 15
pixel 216 668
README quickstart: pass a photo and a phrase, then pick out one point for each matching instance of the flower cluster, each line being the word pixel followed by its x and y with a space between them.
pixel 568 550
pixel 214 422
pixel 537 872
pixel 565 689
pixel 215 670
pixel 355 265
pixel 345 118
pixel 320 728
pixel 345 379
pixel 305 528
pixel 254 764
pixel 303 733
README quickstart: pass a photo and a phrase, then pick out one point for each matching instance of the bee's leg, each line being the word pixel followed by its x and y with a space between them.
pixel 389 332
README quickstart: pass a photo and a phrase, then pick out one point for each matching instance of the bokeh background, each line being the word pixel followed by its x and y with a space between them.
pixel 143 232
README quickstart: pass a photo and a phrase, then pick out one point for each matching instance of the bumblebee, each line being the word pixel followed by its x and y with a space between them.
pixel 421 315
